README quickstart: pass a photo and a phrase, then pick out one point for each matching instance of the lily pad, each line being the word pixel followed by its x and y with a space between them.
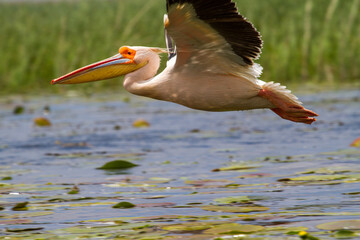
pixel 236 167
pixel 42 122
pixel 340 225
pixel 233 228
pixel 18 110
pixel 85 204
pixel 229 200
pixel 124 205
pixel 188 227
pixel 345 234
pixel 23 229
pixel 74 190
pixel 160 179
pixel 233 209
pixel 21 206
pixel 316 178
pixel 284 229
pixel 352 193
pixel 160 204
pixel 117 164
pixel 141 123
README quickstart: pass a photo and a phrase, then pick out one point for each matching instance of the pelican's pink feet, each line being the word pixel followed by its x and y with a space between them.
pixel 287 109
pixel 296 114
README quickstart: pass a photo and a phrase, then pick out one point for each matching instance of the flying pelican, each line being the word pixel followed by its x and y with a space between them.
pixel 211 51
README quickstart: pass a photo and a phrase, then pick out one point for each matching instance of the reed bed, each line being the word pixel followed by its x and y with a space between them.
pixel 314 41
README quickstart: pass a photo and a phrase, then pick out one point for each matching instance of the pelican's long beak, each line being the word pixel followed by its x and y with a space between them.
pixel 108 68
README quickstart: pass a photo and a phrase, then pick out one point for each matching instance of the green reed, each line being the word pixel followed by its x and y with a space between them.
pixel 314 41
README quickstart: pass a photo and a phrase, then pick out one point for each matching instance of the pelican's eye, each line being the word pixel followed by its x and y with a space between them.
pixel 127 52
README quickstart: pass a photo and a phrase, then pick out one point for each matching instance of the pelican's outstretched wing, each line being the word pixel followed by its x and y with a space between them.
pixel 211 34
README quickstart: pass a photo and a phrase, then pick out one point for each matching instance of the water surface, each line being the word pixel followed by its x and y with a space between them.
pixel 296 175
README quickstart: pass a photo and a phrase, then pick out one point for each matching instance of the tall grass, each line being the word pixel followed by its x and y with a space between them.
pixel 312 40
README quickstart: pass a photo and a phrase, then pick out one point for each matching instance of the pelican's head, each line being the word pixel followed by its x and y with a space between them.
pixel 128 60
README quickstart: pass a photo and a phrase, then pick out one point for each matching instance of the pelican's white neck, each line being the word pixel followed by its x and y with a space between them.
pixel 139 82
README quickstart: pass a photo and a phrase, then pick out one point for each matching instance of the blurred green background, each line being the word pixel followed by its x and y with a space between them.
pixel 305 41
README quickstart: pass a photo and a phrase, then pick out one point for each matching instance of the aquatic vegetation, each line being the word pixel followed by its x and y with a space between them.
pixel 18 109
pixel 20 206
pixel 124 205
pixel 42 122
pixel 265 187
pixel 117 164
pixel 74 190
pixel 340 225
pixel 141 123
pixel 43 41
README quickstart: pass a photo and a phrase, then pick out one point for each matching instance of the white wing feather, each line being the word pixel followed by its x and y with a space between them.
pixel 200 47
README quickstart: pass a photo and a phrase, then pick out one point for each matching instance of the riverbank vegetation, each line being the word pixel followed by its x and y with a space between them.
pixel 304 41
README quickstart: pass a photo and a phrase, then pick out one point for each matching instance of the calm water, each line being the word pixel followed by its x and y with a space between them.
pixel 176 156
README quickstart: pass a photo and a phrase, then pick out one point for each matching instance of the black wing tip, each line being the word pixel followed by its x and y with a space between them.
pixel 224 17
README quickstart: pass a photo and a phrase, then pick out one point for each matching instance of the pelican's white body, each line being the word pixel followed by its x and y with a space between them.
pixel 196 89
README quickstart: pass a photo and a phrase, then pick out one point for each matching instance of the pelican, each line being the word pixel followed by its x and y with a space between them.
pixel 211 51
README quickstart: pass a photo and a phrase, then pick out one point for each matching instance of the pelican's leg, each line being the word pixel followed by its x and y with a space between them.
pixel 288 109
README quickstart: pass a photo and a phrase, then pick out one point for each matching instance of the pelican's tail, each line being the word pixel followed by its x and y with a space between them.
pixel 282 92
pixel 286 104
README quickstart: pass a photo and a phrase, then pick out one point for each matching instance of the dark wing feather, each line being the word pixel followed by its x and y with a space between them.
pixel 170 45
pixel 223 16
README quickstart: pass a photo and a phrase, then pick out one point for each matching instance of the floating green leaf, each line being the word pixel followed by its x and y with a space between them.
pixel 21 206
pixel 229 200
pixel 340 225
pixel 159 204
pixel 316 178
pixel 352 193
pixel 233 209
pixel 23 229
pixel 233 228
pixel 117 164
pixel 141 123
pixel 123 205
pixel 42 122
pixel 188 227
pixel 332 170
pixel 117 127
pixel 236 167
pixel 74 190
pixel 345 234
pixel 284 229
pixel 18 110
pixel 87 204
pixel 160 180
